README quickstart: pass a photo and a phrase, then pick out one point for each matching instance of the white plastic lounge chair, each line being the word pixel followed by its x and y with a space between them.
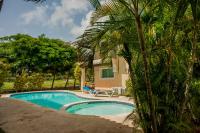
pixel 103 92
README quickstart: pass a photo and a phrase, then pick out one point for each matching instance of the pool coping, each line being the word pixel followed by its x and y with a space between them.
pixel 66 91
pixel 66 106
pixel 119 118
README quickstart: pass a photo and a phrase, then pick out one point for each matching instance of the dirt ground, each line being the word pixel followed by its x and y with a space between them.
pixel 22 117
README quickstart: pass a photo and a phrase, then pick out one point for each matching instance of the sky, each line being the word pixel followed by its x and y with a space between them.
pixel 62 19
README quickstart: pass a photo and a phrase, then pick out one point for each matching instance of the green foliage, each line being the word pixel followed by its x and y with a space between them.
pixel 37 54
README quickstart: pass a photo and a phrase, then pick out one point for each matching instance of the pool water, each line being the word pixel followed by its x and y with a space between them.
pixel 100 108
pixel 53 100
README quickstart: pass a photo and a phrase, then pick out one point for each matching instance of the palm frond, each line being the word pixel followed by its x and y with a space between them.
pixel 95 3
pixel 195 5
pixel 182 7
pixel 108 9
pixel 1 4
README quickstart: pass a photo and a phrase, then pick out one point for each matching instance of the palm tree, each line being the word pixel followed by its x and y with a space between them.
pixel 135 10
pixel 107 36
pixel 159 60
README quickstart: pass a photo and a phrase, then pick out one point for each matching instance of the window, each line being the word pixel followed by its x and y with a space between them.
pixel 107 73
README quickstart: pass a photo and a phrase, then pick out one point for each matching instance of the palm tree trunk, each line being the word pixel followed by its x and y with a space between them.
pixel 136 100
pixel 190 69
pixel 146 72
pixel 169 62
pixel 128 59
pixel 54 76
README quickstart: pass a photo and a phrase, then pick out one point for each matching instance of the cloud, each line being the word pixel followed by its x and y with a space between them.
pixel 64 13
pixel 1 29
pixel 35 16
pixel 61 15
pixel 78 30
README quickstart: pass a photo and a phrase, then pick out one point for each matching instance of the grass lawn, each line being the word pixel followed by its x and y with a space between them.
pixel 47 84
pixel 57 83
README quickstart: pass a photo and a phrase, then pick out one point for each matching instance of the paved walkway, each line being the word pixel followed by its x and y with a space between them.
pixel 22 117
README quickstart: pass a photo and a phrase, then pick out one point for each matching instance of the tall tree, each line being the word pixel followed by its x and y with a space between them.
pixel 38 54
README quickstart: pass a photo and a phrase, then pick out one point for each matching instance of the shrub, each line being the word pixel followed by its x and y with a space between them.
pixel 35 81
pixel 21 82
pixel 28 82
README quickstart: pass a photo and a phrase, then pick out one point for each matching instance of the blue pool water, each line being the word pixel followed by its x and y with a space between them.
pixel 54 100
pixel 100 108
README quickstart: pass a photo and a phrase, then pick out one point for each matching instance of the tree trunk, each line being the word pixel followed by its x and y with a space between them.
pixel 67 81
pixel 80 83
pixel 54 76
pixel 74 83
pixel 146 73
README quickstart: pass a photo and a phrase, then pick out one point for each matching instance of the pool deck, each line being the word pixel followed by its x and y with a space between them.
pixel 14 114
pixel 23 117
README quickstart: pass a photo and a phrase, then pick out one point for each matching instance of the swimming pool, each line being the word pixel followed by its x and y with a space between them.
pixel 53 100
pixel 76 104
pixel 100 108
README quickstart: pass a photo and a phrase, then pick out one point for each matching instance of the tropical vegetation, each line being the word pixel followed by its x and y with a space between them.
pixel 160 42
